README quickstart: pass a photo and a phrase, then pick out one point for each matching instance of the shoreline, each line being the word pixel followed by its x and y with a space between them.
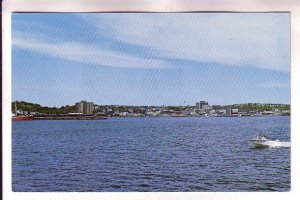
pixel 69 118
pixel 105 118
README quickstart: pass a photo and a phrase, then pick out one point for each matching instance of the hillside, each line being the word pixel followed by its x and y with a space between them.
pixel 32 107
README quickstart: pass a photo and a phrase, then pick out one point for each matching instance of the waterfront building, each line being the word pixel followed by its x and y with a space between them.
pixel 235 111
pixel 84 107
pixel 217 107
pixel 193 113
pixel 207 107
pixel 212 112
pixel 199 105
pixel 277 112
pixel 89 108
pixel 123 114
pixel 268 112
pixel 79 107
pixel 168 112
pixel 221 112
pixel 201 111
pixel 228 110
pixel 202 104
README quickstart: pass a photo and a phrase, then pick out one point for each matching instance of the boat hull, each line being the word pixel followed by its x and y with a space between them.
pixel 22 118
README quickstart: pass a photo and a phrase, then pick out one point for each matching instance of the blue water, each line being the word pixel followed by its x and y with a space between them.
pixel 150 154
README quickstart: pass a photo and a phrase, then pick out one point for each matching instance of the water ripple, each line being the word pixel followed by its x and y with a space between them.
pixel 150 154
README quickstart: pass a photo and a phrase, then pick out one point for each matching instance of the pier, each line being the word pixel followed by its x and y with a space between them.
pixel 69 117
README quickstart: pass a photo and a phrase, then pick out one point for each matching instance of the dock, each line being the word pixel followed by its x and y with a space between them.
pixel 69 117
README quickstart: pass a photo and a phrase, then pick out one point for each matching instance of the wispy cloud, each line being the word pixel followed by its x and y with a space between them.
pixel 260 40
pixel 257 40
pixel 239 57
pixel 84 53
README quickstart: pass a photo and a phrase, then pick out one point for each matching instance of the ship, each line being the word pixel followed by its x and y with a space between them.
pixel 22 117
pixel 17 117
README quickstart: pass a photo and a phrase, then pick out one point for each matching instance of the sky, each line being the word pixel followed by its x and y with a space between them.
pixel 151 58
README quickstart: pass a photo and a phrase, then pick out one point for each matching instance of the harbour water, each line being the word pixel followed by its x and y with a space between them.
pixel 150 154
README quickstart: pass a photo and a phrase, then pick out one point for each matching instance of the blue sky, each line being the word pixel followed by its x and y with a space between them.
pixel 151 58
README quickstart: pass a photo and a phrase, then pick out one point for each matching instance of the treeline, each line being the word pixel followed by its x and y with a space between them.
pixel 32 107
pixel 257 106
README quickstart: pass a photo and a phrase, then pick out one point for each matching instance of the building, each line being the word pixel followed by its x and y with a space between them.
pixel 201 104
pixel 79 107
pixel 235 111
pixel 221 112
pixel 277 112
pixel 207 107
pixel 96 107
pixel 84 107
pixel 228 110
pixel 216 107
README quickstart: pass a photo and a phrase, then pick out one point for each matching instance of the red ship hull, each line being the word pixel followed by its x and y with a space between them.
pixel 22 118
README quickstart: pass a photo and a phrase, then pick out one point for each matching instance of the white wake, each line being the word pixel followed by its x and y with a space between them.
pixel 269 143
pixel 276 144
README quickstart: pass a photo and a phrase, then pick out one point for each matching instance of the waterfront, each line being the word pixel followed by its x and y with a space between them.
pixel 150 154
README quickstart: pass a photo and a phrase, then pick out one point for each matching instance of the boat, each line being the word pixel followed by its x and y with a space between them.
pixel 22 118
pixel 263 141
pixel 17 117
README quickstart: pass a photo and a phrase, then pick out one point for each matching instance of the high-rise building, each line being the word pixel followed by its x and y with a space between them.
pixel 89 108
pixel 201 104
pixel 84 107
pixel 228 110
pixel 79 107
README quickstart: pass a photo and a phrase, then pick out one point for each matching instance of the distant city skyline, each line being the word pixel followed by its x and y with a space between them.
pixel 192 105
pixel 151 58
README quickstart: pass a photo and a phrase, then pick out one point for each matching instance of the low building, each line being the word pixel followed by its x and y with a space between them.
pixel 268 112
pixel 211 112
pixel 277 112
pixel 123 114
pixel 221 112
pixel 235 111
pixel 217 107
pixel 201 111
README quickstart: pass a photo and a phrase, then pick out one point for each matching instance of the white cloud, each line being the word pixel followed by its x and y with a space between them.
pixel 261 40
pixel 83 53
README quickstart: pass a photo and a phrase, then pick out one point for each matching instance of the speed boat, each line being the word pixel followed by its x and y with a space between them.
pixel 263 141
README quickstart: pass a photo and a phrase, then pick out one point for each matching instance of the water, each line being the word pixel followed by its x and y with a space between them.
pixel 150 154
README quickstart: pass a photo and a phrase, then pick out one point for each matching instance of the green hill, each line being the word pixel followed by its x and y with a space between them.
pixel 32 107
